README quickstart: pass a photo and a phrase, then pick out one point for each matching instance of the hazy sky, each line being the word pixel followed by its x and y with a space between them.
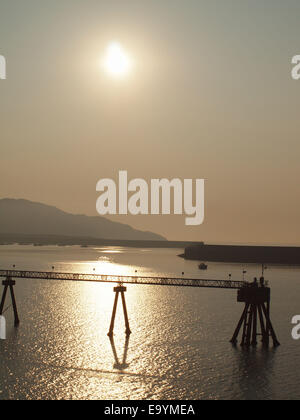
pixel 211 96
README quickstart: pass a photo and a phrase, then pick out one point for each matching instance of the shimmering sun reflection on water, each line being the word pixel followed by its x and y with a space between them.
pixel 179 347
pixel 82 317
pixel 102 266
pixel 102 293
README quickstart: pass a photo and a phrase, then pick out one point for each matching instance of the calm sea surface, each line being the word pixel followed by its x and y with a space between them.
pixel 179 347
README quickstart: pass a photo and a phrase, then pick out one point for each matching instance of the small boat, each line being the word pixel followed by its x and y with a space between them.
pixel 203 266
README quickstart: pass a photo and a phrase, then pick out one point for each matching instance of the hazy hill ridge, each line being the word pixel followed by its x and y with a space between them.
pixel 27 217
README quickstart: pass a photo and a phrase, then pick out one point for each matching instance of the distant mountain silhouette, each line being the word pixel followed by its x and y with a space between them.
pixel 26 217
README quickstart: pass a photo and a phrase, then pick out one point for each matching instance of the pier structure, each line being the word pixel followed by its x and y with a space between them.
pixel 256 297
pixel 9 283
pixel 120 289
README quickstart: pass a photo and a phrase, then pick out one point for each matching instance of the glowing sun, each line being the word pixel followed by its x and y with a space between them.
pixel 117 62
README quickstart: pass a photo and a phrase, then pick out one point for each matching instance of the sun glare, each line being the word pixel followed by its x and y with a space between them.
pixel 117 63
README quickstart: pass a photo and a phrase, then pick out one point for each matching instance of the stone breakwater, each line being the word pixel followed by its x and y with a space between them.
pixel 244 254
